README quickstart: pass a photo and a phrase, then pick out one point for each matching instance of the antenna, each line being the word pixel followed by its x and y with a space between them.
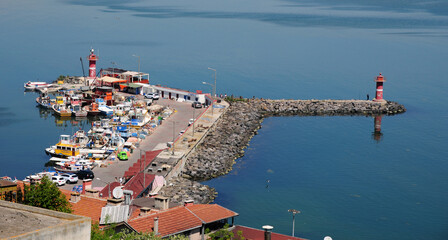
pixel 117 192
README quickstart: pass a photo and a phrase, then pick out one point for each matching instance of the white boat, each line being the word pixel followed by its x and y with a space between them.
pixel 78 111
pixel 35 85
pixel 106 110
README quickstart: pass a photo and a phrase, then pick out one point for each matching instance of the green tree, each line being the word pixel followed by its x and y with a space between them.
pixel 109 233
pixel 225 234
pixel 46 195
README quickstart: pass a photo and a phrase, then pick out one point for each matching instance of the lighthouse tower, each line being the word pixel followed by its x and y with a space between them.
pixel 380 79
pixel 92 64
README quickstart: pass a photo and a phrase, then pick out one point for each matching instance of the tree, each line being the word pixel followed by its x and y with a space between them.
pixel 109 233
pixel 225 234
pixel 46 195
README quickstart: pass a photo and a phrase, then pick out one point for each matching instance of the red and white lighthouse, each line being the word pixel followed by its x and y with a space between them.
pixel 92 64
pixel 380 79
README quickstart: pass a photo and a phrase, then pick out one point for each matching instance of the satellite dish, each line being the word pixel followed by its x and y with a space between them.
pixel 117 192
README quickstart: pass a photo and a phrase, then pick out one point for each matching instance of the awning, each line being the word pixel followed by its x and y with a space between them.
pixel 107 79
pixel 131 85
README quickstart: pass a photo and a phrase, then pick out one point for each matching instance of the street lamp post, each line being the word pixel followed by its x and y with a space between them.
pixel 213 86
pixel 293 211
pixel 194 119
pixel 139 74
pixel 108 184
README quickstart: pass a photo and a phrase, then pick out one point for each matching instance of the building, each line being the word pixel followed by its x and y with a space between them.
pixel 129 76
pixel 190 220
pixel 27 222
pixel 8 190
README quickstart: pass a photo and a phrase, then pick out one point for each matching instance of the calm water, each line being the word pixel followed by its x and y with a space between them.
pixel 346 184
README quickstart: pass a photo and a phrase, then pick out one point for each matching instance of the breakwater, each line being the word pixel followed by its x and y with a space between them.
pixel 226 143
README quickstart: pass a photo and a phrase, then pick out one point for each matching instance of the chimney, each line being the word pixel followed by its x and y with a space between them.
pixel 114 201
pixel 86 184
pixel 75 197
pixel 156 226
pixel 92 192
pixel 144 211
pixel 127 196
pixel 267 232
pixel 188 203
pixel 161 203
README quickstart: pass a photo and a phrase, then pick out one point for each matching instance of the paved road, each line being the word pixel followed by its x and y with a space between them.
pixel 163 134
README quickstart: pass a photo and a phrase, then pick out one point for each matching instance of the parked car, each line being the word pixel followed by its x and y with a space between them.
pixel 123 155
pixel 149 95
pixel 59 180
pixel 191 121
pixel 70 177
pixel 196 105
pixel 85 174
pixel 155 96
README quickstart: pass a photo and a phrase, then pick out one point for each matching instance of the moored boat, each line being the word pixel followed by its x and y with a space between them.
pixel 78 111
pixel 35 85
pixel 64 148
pixel 92 109
pixel 62 110
pixel 44 101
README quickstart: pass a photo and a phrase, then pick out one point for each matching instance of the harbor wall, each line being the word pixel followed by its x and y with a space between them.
pixel 232 134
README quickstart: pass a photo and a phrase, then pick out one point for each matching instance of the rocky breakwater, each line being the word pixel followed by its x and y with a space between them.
pixel 180 189
pixel 223 145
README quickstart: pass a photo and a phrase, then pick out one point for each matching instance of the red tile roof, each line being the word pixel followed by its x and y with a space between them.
pixel 135 184
pixel 104 193
pixel 138 182
pixel 258 234
pixel 211 212
pixel 87 206
pixel 180 219
pixel 171 221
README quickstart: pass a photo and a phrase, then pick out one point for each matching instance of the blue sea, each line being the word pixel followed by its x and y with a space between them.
pixel 346 184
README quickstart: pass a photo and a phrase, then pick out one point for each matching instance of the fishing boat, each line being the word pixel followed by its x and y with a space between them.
pixel 78 111
pixel 139 117
pixel 62 110
pixel 69 168
pixel 123 131
pixel 106 110
pixel 35 85
pixel 64 148
pixel 92 109
pixel 75 100
pixel 44 101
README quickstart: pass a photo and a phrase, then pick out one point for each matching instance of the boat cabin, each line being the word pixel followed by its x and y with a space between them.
pixel 66 147
pixel 60 100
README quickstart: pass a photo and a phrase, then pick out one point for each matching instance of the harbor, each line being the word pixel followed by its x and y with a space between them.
pixel 128 141
pixel 351 176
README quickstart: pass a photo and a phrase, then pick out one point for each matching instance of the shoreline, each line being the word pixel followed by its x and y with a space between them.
pixel 216 155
